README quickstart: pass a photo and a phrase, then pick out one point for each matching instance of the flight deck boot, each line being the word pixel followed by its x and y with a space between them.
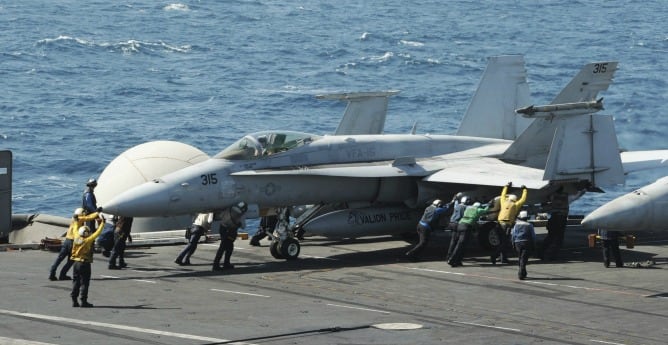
pixel 74 302
pixel 85 304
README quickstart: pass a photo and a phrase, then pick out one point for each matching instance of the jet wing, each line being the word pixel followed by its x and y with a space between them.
pixel 373 170
pixel 633 161
pixel 474 171
pixel 489 172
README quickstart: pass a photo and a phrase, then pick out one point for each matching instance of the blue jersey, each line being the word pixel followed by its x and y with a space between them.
pixel 523 232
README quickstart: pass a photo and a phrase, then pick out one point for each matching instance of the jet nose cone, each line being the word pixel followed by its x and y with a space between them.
pixel 625 213
pixel 146 200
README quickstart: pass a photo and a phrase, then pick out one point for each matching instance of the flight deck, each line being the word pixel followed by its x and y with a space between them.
pixel 343 292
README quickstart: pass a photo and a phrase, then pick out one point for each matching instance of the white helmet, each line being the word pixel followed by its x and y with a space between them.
pixel 476 204
pixel 512 197
pixel 437 202
pixel 524 215
pixel 464 199
pixel 84 231
pixel 78 212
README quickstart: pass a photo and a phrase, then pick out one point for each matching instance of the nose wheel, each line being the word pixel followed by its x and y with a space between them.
pixel 287 249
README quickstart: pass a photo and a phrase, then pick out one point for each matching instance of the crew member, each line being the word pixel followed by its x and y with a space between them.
pixel 510 206
pixel 82 255
pixel 267 224
pixel 429 221
pixel 78 219
pixel 89 201
pixel 610 241
pixel 458 205
pixel 523 238
pixel 201 225
pixel 460 238
pixel 556 224
pixel 231 220
pixel 122 230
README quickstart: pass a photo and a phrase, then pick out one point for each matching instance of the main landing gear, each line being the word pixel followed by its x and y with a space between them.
pixel 284 245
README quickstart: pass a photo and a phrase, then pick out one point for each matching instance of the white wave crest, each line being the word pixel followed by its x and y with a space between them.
pixel 176 7
pixel 411 43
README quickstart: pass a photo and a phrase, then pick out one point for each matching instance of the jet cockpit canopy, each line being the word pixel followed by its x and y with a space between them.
pixel 259 144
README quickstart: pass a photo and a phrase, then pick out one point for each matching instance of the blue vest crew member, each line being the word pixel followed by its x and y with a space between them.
pixel 523 238
pixel 429 221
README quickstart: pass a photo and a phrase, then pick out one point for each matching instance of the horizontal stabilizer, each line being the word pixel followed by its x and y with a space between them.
pixel 633 161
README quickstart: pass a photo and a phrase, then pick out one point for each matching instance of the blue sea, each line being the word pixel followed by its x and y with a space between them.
pixel 83 81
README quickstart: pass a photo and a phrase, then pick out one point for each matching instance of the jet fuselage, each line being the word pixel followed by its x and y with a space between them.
pixel 321 170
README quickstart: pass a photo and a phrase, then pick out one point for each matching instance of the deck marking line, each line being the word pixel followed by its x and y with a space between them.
pixel 145 281
pixel 241 293
pixel 530 282
pixel 70 320
pixel 488 326
pixel 605 342
pixel 358 308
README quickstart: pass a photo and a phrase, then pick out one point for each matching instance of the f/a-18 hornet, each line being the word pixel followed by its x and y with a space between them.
pixel 502 138
pixel 643 209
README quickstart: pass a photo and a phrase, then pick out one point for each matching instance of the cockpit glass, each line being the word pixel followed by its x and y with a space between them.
pixel 260 144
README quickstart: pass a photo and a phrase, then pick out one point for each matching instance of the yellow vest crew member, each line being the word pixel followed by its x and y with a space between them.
pixel 82 255
pixel 510 207
pixel 78 219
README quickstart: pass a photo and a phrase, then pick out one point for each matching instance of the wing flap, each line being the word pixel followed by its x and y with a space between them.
pixel 489 172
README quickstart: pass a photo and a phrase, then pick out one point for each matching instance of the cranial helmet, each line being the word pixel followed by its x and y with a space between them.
pixel 437 202
pixel 78 212
pixel 524 215
pixel 464 199
pixel 84 231
pixel 476 204
pixel 242 206
pixel 91 182
pixel 512 197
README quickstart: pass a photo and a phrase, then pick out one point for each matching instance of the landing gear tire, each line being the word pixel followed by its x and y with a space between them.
pixel 290 249
pixel 274 249
pixel 487 236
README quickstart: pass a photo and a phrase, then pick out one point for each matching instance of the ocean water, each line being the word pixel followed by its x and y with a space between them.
pixel 82 81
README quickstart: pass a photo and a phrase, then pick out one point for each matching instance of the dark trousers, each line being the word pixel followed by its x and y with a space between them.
pixel 65 252
pixel 503 250
pixel 118 252
pixel 611 251
pixel 226 247
pixel 523 250
pixel 423 234
pixel 190 248
pixel 458 243
pixel 556 227
pixel 81 279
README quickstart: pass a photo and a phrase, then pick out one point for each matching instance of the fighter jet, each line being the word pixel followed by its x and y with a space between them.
pixel 641 210
pixel 564 144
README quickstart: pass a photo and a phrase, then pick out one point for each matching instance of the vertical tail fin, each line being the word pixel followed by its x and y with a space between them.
pixel 586 85
pixel 533 145
pixel 502 89
pixel 573 147
pixel 365 113
pixel 585 148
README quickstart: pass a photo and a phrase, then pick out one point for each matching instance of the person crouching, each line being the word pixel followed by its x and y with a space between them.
pixel 82 255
